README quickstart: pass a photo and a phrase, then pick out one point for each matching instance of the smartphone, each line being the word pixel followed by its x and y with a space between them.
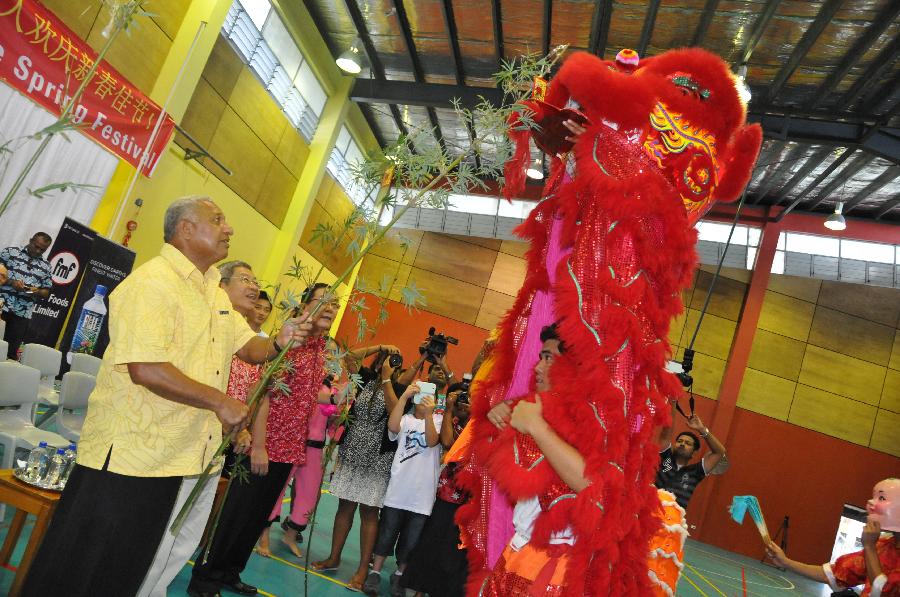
pixel 425 389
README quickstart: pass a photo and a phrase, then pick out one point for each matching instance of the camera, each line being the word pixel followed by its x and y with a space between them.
pixel 683 369
pixel 463 396
pixel 436 346
pixel 395 361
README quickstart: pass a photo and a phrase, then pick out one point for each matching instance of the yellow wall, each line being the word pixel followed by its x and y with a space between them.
pixel 176 178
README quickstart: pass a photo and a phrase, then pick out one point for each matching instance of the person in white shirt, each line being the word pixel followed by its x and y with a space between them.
pixel 411 490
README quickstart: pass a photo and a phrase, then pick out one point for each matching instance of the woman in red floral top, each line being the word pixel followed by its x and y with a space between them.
pixel 877 565
pixel 278 442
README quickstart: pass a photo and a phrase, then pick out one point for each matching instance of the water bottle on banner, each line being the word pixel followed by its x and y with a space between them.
pixel 56 469
pixel 36 466
pixel 90 322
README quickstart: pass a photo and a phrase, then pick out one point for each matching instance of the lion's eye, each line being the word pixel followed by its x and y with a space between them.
pixel 688 85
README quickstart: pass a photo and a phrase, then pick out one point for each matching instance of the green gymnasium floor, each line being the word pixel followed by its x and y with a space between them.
pixel 709 571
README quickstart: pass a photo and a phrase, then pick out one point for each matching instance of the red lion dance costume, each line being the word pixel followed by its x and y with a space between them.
pixel 612 246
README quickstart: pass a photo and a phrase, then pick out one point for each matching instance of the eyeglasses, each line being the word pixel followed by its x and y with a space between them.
pixel 245 280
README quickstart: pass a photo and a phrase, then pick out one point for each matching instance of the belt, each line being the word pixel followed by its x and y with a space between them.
pixel 315 443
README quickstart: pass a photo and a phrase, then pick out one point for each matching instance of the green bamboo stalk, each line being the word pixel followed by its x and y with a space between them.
pixel 67 108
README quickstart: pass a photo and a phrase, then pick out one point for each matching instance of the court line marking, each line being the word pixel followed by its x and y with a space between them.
pixel 706 580
pixel 258 590
pixel 774 578
pixel 699 590
pixel 313 572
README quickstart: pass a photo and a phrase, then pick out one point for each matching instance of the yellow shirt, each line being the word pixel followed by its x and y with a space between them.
pixel 166 311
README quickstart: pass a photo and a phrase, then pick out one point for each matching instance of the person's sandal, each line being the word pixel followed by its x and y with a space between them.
pixel 323 566
pixel 356 583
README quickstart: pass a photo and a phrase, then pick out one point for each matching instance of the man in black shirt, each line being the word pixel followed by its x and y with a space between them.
pixel 675 473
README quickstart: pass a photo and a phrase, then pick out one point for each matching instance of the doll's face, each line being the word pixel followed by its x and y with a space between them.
pixel 884 507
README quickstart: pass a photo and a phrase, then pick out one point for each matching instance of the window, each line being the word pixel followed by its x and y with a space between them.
pixel 266 46
pixel 345 155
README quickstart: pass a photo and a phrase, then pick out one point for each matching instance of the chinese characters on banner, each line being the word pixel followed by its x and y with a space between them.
pixel 45 61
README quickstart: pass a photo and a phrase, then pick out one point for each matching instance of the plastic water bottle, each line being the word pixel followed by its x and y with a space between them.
pixel 56 469
pixel 70 464
pixel 37 463
pixel 90 322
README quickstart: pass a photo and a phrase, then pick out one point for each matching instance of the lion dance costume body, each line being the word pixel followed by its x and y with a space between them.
pixel 612 246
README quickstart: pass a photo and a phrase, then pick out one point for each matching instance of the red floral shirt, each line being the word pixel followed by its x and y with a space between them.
pixel 288 424
pixel 242 378
pixel 849 570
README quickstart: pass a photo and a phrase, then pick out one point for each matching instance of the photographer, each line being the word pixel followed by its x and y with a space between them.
pixel 441 569
pixel 363 466
pixel 434 351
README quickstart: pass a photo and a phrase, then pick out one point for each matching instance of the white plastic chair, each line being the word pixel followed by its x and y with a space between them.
pixel 73 396
pixel 18 393
pixel 46 360
pixel 4 346
pixel 85 363
pixel 2 329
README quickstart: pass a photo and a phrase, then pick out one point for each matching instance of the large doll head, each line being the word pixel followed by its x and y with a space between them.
pixel 683 110
pixel 884 507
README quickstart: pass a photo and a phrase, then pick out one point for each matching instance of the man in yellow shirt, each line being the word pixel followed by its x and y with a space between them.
pixel 155 418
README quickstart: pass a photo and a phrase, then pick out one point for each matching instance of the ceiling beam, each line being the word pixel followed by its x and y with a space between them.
pixel 759 26
pixel 362 32
pixel 808 166
pixel 878 26
pixel 873 73
pixel 418 73
pixel 600 27
pixel 546 26
pixel 882 95
pixel 878 139
pixel 822 20
pixel 497 16
pixel 647 29
pixel 777 172
pixel 859 162
pixel 815 184
pixel 455 55
pixel 889 175
pixel 709 11
pixel 366 112
pixel 887 207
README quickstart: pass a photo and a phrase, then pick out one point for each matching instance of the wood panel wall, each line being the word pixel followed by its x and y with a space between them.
pixel 139 55
pixel 826 357
pixel 469 279
pixel 232 115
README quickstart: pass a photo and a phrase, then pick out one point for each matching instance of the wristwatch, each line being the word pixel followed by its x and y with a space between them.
pixel 705 433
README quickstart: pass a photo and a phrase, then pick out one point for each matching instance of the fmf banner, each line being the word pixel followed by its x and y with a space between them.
pixel 88 327
pixel 69 255
pixel 45 61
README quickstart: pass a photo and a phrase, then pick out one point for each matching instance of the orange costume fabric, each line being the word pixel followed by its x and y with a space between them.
pixel 665 139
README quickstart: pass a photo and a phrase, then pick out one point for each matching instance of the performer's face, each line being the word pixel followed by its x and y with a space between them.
pixel 884 507
pixel 549 352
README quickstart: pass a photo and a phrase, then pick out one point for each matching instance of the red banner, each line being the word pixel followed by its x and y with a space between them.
pixel 44 60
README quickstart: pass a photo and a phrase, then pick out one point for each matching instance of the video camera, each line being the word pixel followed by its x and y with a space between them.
pixel 436 346
pixel 683 369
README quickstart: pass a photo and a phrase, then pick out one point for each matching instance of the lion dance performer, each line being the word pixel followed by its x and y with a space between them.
pixel 612 246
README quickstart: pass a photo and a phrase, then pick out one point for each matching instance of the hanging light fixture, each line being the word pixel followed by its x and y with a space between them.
pixel 350 61
pixel 836 221
pixel 535 170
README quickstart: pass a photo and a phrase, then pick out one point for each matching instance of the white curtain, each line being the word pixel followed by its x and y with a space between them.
pixel 78 160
